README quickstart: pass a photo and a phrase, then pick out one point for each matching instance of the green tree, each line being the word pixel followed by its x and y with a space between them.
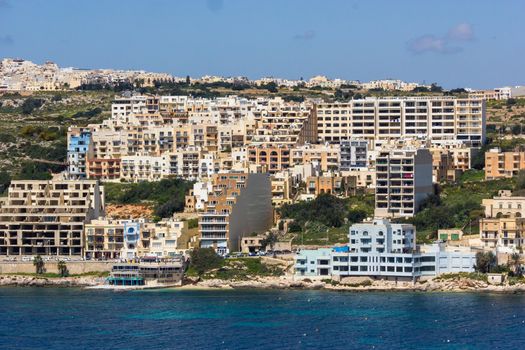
pixel 520 180
pixel 38 262
pixel 62 268
pixel 514 263
pixel 204 259
pixel 485 262
pixel 30 104
pixel 269 241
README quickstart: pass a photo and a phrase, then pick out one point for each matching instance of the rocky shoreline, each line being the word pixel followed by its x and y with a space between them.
pixel 34 281
pixel 283 282
pixel 457 285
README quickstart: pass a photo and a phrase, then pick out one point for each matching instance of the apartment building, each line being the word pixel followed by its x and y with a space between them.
pixel 103 169
pixel 239 204
pixel 503 232
pixel 353 154
pixel 403 180
pixel 443 166
pixel 327 156
pixel 281 123
pixel 365 178
pixel 272 159
pixel 503 226
pixel 165 239
pixel 104 239
pixel 143 168
pixel 381 249
pixel 281 189
pixel 78 142
pixel 331 184
pixel 197 198
pixel 47 217
pixel 433 118
pixel 500 164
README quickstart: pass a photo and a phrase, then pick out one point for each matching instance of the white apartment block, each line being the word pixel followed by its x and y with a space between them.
pixel 381 249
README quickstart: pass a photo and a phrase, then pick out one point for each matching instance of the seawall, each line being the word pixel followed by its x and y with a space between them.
pixel 74 267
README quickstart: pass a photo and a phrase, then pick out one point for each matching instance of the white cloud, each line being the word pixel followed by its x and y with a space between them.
pixel 461 32
pixel 447 44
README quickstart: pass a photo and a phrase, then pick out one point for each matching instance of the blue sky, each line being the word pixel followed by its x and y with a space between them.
pixel 477 43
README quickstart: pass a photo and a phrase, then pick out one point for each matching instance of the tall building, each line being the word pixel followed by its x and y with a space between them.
pixel 403 180
pixel 434 118
pixel 77 149
pixel 239 204
pixel 48 217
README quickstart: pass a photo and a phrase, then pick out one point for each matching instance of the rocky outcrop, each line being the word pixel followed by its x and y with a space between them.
pixel 452 285
pixel 33 281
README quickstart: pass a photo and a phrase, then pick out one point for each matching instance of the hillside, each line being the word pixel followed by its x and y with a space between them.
pixel 34 127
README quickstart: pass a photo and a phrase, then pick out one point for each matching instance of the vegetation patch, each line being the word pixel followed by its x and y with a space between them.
pixel 167 195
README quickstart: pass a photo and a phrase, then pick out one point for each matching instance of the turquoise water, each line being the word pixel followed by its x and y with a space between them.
pixel 53 318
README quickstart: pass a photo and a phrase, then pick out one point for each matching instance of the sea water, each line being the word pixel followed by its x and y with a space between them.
pixel 70 318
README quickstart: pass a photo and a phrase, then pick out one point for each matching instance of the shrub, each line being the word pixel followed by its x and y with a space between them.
pixel 204 259
pixel 30 104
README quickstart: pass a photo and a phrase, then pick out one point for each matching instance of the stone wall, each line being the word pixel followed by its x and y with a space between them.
pixel 74 267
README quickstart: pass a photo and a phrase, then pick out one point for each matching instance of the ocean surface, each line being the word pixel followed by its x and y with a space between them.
pixel 60 318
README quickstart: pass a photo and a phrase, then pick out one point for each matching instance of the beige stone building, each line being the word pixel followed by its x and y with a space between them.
pixel 327 156
pixel 433 118
pixel 331 184
pixel 505 232
pixel 240 204
pixel 104 239
pixel 273 159
pixel 504 205
pixel 500 164
pixel 47 217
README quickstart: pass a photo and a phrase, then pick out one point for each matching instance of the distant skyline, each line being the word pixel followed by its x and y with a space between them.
pixel 477 44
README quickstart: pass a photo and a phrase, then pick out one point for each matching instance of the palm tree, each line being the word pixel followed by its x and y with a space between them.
pixel 38 262
pixel 62 268
pixel 514 262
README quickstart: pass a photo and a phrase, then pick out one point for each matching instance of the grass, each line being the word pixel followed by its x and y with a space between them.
pixel 472 175
pixel 316 233
pixel 456 276
pixel 242 269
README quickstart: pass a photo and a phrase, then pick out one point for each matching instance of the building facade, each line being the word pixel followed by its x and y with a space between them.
pixel 381 249
pixel 500 164
pixel 434 118
pixel 240 204
pixel 43 217
pixel 403 181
